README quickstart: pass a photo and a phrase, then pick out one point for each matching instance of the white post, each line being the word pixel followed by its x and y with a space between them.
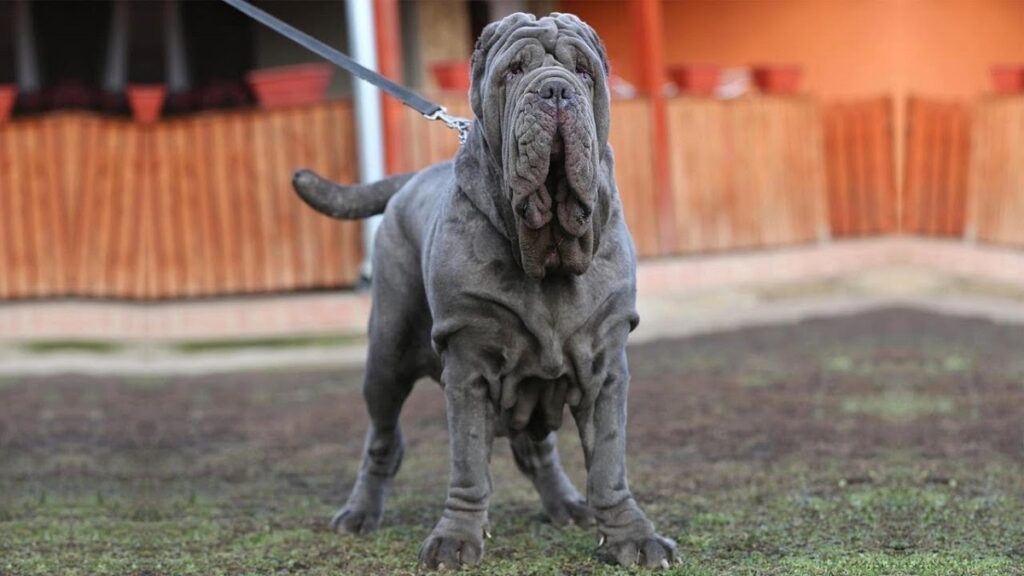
pixel 174 48
pixel 369 126
pixel 25 48
pixel 115 77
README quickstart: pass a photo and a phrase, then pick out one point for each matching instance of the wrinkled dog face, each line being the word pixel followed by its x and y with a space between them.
pixel 540 93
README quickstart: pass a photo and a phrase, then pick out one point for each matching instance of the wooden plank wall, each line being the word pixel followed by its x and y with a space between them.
pixel 746 173
pixel 195 207
pixel 630 138
pixel 996 186
pixel 33 212
pixel 936 167
pixel 859 149
pixel 202 206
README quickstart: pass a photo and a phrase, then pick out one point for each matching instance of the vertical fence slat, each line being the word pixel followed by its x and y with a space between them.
pixel 996 181
pixel 860 169
pixel 938 156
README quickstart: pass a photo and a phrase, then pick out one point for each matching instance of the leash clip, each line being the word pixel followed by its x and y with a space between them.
pixel 454 122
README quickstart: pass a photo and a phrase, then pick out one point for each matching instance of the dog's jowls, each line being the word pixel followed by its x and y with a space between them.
pixel 508 276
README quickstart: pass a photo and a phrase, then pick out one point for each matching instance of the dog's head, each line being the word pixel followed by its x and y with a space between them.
pixel 540 96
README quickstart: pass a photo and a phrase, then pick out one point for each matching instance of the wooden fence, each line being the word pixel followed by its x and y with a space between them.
pixel 745 173
pixel 996 185
pixel 936 168
pixel 859 153
pixel 201 206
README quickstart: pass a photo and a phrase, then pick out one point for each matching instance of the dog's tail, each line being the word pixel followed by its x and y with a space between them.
pixel 347 202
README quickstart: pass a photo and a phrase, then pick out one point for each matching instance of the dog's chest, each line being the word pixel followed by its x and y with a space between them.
pixel 547 333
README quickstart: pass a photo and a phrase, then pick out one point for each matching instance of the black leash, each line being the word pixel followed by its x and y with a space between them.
pixel 428 109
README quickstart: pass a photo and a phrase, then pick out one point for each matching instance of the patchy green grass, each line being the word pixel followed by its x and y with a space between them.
pixel 73 346
pixel 229 345
pixel 861 450
pixel 898 405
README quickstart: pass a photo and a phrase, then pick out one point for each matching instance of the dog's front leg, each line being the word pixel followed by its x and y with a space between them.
pixel 624 528
pixel 458 538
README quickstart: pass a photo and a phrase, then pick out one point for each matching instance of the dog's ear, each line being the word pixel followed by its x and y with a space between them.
pixel 491 35
pixel 479 65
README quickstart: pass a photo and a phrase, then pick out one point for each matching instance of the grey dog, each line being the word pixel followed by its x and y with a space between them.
pixel 508 275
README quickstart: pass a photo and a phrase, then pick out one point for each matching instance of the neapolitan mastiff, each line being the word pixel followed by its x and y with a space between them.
pixel 508 275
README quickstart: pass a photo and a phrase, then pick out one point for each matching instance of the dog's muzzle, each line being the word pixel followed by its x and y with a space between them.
pixel 551 172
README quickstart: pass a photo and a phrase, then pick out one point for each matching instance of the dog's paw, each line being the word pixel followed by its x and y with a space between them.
pixel 572 509
pixel 653 551
pixel 356 519
pixel 450 551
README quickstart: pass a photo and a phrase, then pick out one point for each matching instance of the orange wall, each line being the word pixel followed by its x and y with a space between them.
pixel 847 48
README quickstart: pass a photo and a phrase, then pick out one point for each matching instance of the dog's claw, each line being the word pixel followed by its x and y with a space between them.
pixel 664 564
pixel 487 534
pixel 600 541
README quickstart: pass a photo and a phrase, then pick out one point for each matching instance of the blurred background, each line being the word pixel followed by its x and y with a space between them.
pixel 146 147
pixel 827 197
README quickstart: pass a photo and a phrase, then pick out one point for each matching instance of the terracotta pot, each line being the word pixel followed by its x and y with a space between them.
pixel 777 79
pixel 1008 79
pixel 8 94
pixel 146 101
pixel 698 79
pixel 451 74
pixel 297 85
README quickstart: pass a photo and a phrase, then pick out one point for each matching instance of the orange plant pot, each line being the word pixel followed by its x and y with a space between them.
pixel 451 74
pixel 777 79
pixel 8 94
pixel 1008 79
pixel 701 80
pixel 284 86
pixel 146 101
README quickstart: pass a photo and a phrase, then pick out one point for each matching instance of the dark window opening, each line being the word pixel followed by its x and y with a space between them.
pixel 7 73
pixel 479 18
pixel 70 40
pixel 218 43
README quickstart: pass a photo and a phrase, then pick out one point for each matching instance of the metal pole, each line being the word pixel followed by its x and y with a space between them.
pixel 115 77
pixel 174 48
pixel 369 127
pixel 25 48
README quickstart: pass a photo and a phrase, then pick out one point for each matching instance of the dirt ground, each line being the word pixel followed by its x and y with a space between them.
pixel 884 443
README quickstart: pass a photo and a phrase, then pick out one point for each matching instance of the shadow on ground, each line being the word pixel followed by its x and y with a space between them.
pixel 885 443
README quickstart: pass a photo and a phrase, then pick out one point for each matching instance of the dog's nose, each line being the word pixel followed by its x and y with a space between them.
pixel 556 88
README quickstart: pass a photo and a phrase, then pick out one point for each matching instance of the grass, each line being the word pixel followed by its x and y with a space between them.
pixel 886 444
pixel 73 346
pixel 791 521
pixel 206 346
pixel 44 347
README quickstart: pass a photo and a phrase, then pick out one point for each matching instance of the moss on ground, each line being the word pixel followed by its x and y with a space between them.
pixel 885 444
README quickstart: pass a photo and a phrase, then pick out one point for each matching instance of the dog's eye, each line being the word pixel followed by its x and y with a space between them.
pixel 514 71
pixel 583 74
